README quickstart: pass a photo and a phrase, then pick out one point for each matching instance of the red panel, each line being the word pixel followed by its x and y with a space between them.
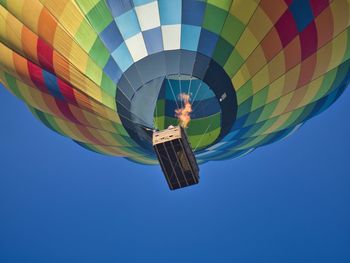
pixel 307 70
pixel 45 55
pixel 64 109
pixel 66 91
pixel 286 28
pixel 37 77
pixel 318 6
pixel 308 41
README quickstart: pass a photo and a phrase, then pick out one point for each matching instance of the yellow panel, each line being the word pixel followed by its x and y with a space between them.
pixel 323 55
pixel 340 10
pixel 244 72
pixel 111 150
pixel 31 19
pixel 255 61
pixel 70 130
pixel 260 24
pixel 252 143
pixel 239 79
pixel 311 91
pixel 3 17
pixel 13 33
pixel 6 60
pixel 276 67
pixel 246 44
pixel 282 104
pixel 260 80
pixel 94 71
pixel 28 96
pixel 278 123
pixel 88 4
pixel 292 79
pixel 275 89
pixel 16 7
pixel 243 9
pixel 339 47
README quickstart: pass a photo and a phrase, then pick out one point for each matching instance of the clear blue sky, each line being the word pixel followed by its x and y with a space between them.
pixel 287 202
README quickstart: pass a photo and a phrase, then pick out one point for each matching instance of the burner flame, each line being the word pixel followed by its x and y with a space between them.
pixel 183 114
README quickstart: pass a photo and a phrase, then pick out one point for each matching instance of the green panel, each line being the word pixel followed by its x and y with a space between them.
pixel 266 113
pixel 4 3
pixel 47 120
pixel 259 99
pixel 223 4
pixel 100 16
pixel 268 123
pixel 244 93
pixel 222 51
pixel 99 53
pixel 291 121
pixel 347 51
pixel 232 30
pixel 201 141
pixel 328 81
pixel 12 84
pixel 121 130
pixel 108 85
pixel 233 63
pixel 198 126
pixel 214 25
pixel 84 36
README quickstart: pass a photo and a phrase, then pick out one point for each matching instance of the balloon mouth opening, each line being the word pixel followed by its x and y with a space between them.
pixel 172 88
pixel 189 102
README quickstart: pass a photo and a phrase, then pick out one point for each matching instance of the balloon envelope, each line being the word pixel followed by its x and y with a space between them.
pixel 107 72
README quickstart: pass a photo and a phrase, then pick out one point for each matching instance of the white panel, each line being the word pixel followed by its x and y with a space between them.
pixel 148 15
pixel 136 46
pixel 171 37
pixel 215 146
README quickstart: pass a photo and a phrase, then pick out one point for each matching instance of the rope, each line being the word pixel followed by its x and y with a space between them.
pixel 202 136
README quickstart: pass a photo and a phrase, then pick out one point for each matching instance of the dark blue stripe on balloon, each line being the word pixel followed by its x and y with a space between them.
pixel 52 85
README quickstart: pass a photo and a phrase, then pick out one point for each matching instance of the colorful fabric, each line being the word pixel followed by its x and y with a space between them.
pixel 287 61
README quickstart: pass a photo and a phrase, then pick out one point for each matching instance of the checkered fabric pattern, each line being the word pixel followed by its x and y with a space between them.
pixel 288 61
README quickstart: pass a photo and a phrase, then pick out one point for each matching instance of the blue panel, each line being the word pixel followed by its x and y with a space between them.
pixel 125 87
pixel 134 77
pixel 52 85
pixel 170 12
pixel 172 60
pixel 201 66
pixel 187 61
pixel 172 89
pixel 207 42
pixel 193 18
pixel 142 2
pixel 254 116
pixel 206 108
pixel 329 100
pixel 128 24
pixel 153 40
pixel 151 67
pixel 112 70
pixel 190 37
pixel 198 84
pixel 119 7
pixel 111 37
pixel 122 56
pixel 239 123
pixel 302 13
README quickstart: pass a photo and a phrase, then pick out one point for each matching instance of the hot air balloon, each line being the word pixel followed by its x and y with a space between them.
pixel 105 73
